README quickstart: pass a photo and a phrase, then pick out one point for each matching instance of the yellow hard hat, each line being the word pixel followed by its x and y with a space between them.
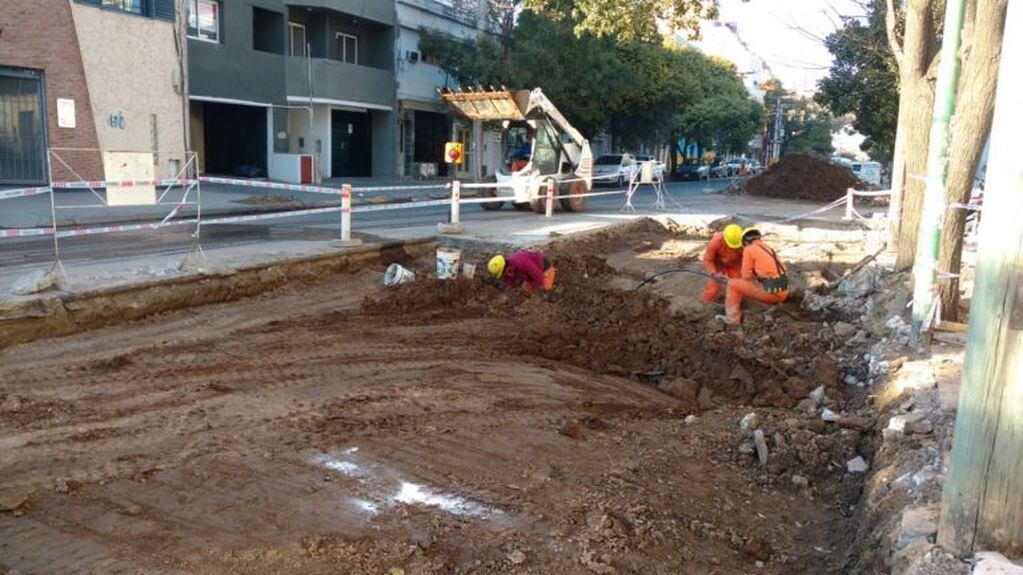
pixel 496 266
pixel 733 236
pixel 750 231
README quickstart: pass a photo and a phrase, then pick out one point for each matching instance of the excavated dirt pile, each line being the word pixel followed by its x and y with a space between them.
pixel 633 334
pixel 804 177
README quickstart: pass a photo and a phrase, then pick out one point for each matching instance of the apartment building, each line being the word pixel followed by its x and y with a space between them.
pixel 89 75
pixel 425 123
pixel 295 90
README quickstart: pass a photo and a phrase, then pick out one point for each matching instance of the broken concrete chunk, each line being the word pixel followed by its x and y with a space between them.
pixel 761 445
pixel 748 421
pixel 818 394
pixel 690 419
pixel 994 563
pixel 516 557
pixel 828 415
pixel 844 330
pixel 857 465
pixel 920 427
pixel 800 481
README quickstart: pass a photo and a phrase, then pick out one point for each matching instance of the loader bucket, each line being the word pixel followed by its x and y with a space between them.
pixel 489 105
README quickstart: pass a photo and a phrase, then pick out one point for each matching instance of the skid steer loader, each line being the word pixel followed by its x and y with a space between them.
pixel 538 145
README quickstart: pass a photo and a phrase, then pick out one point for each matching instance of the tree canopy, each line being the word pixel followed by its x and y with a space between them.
pixel 642 91
pixel 864 80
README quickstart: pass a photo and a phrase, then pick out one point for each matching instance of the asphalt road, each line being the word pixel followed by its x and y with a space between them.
pixel 368 226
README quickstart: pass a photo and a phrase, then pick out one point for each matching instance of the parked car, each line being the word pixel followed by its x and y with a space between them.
pixel 720 169
pixel 737 167
pixel 658 165
pixel 610 165
pixel 692 171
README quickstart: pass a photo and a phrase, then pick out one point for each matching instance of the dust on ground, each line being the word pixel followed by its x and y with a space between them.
pixel 445 427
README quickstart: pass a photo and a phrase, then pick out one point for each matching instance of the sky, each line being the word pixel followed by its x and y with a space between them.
pixel 785 34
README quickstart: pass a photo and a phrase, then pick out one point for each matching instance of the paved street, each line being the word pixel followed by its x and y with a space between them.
pixel 369 226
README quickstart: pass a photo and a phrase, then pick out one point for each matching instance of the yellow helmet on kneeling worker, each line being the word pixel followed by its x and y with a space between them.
pixel 496 266
pixel 733 236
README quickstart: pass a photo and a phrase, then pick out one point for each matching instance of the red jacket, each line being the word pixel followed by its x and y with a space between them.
pixel 523 267
pixel 721 259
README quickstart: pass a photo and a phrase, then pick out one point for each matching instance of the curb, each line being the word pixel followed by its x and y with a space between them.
pixel 59 314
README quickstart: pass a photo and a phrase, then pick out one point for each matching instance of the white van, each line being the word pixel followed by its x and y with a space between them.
pixel 869 172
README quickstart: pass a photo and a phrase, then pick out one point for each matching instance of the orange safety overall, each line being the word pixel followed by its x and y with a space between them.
pixel 720 259
pixel 763 279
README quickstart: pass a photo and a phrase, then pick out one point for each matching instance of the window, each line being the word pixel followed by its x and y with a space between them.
pixel 268 31
pixel 204 20
pixel 133 6
pixel 296 39
pixel 347 48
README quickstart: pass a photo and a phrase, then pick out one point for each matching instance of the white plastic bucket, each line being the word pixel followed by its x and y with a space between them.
pixel 396 274
pixel 447 263
pixel 468 271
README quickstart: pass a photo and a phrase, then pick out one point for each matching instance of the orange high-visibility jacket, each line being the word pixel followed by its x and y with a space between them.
pixel 760 262
pixel 718 258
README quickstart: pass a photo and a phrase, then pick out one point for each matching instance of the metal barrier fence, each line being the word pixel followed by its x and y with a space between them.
pixel 191 185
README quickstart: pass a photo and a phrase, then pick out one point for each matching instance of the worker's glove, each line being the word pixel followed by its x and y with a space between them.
pixel 720 278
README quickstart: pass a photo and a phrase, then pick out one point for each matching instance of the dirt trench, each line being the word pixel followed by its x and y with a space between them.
pixel 442 427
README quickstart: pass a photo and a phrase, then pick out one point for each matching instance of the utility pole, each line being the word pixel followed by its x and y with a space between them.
pixel 982 501
pixel 925 271
pixel 181 37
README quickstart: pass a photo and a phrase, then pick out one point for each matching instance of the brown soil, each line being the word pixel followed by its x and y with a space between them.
pixel 442 427
pixel 805 177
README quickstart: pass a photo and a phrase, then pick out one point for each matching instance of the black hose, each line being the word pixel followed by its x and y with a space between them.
pixel 678 271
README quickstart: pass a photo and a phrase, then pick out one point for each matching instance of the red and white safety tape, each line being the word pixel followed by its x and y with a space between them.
pixel 314 189
pixel 23 192
pixel 86 184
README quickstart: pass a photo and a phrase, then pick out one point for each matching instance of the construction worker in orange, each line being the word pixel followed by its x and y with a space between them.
pixel 722 259
pixel 764 277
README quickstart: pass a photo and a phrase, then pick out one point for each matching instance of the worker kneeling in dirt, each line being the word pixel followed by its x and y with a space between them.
pixel 531 270
pixel 764 277
pixel 723 259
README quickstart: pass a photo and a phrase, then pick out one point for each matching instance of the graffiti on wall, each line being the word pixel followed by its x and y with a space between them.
pixel 116 120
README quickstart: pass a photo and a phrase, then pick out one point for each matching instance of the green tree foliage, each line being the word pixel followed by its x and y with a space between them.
pixel 627 20
pixel 642 91
pixel 864 81
pixel 807 126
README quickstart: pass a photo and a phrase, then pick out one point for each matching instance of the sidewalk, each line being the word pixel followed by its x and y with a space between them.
pixel 217 200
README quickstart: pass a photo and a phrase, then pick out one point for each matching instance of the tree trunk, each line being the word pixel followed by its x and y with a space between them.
pixel 672 157
pixel 916 85
pixel 970 129
pixel 898 183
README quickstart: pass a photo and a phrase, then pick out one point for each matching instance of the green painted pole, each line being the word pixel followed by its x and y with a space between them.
pixel 925 272
pixel 982 499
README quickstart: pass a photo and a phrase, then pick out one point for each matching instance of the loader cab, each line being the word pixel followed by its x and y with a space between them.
pixel 531 146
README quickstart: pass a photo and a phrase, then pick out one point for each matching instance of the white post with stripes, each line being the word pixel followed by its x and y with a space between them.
pixel 850 195
pixel 456 197
pixel 550 198
pixel 346 212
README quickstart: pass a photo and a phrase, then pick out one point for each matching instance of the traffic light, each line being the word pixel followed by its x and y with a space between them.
pixel 454 153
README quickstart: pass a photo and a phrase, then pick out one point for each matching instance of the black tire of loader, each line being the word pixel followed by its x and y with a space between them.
pixel 491 193
pixel 569 197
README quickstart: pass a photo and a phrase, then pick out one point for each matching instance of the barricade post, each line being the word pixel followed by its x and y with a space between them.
pixel 456 196
pixel 549 211
pixel 850 196
pixel 346 212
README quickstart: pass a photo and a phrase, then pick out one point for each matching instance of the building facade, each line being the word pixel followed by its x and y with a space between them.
pixel 425 122
pixel 296 90
pixel 69 83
